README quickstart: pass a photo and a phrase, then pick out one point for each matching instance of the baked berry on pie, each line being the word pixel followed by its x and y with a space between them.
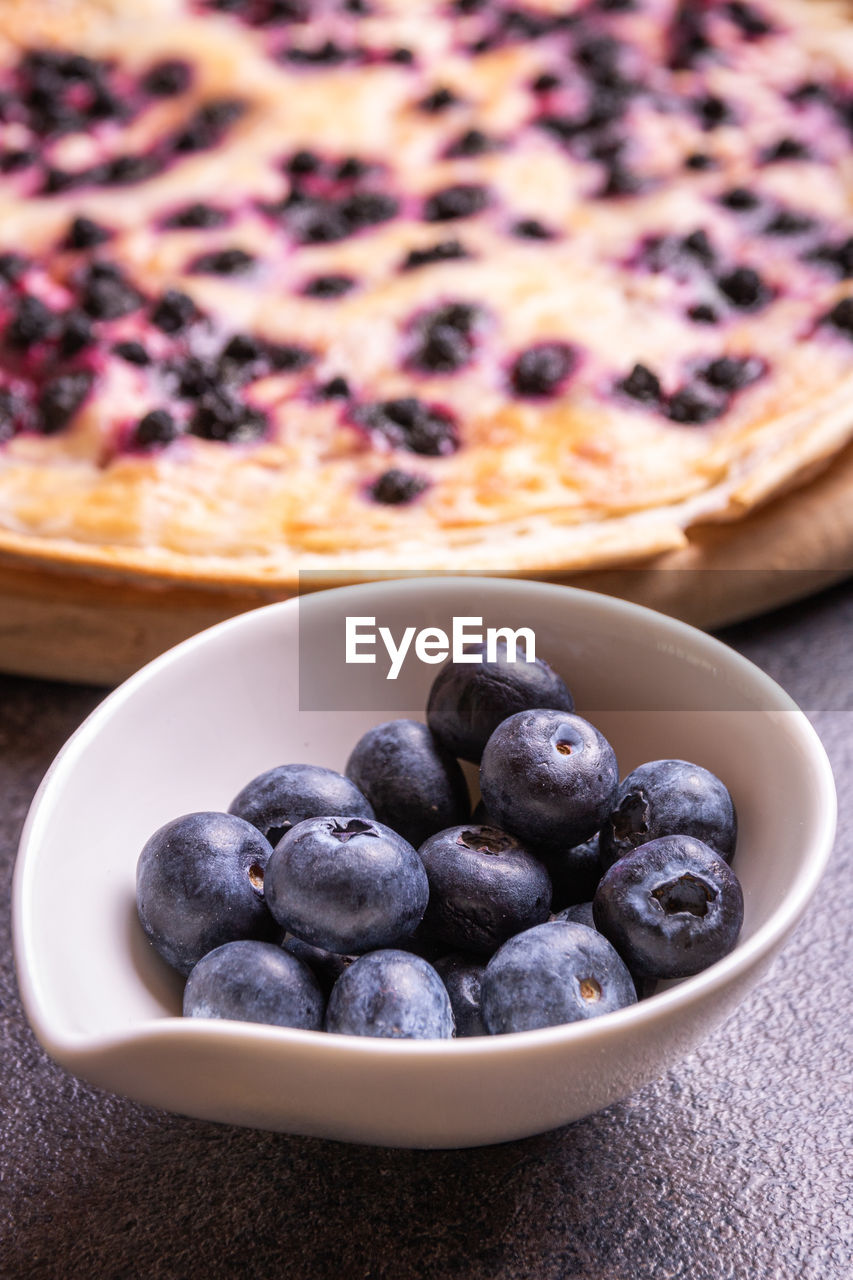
pixel 307 283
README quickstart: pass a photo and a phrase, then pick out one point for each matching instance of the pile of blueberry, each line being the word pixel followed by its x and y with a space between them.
pixel 376 904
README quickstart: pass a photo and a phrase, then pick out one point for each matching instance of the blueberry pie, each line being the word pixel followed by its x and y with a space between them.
pixel 384 284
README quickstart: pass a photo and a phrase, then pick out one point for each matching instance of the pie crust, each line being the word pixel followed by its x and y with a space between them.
pixel 530 475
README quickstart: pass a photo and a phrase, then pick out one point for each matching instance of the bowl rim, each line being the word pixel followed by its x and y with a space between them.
pixel 76 1048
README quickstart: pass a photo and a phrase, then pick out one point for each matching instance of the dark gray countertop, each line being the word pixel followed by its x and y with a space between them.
pixel 736 1164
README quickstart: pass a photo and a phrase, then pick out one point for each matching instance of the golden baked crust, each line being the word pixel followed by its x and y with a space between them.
pixel 578 474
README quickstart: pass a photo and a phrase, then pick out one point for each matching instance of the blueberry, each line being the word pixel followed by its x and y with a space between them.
pixel 702 313
pixel 684 256
pixel 155 428
pixel 327 966
pixel 700 162
pixel 695 403
pixel 641 384
pixel 575 873
pixel 221 416
pixel 748 19
pixel 123 170
pixel 303 162
pixel 740 199
pixel 811 91
pixel 336 388
pixel 173 312
pixel 199 883
pixel 548 777
pixel 698 245
pixel 330 286
pixel 542 369
pixel 107 105
pixel 60 399
pixel 665 798
pixel 222 262
pixel 409 423
pixel 242 349
pixel 17 158
pixel 327 54
pixel 284 11
pixel 688 39
pixel 550 975
pixel 583 913
pixel 352 168
pixel 249 981
pixel 346 884
pixel 531 229
pixel 278 799
pixel 56 180
pixel 462 975
pixel 168 78
pixel 468 700
pixel 132 352
pixel 390 994
pixel 443 251
pixel 75 334
pixel 444 338
pixel 207 125
pixel 483 888
pixel 32 322
pixel 565 128
pixel 197 215
pixel 106 294
pixel 462 200
pixel 288 357
pixel 194 377
pixel 841 317
pixel 312 219
pixel 744 288
pixel 367 209
pixel 671 907
pixel 397 488
pixel 84 233
pixel 414 785
pixel 731 373
pixel 619 180
pixel 438 100
pixel 599 56
pixel 712 111
pixel 788 222
pixel 785 149
pixel 473 142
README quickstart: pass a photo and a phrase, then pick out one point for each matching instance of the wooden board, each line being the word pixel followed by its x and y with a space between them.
pixel 72 626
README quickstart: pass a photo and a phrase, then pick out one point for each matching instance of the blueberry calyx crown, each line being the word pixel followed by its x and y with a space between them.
pixel 631 818
pixel 686 893
pixel 485 840
pixel 344 831
pixel 590 989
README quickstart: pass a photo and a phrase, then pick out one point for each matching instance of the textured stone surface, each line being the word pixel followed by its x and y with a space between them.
pixel 735 1165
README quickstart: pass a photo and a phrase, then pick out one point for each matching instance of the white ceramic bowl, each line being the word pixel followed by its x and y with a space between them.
pixel 190 729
